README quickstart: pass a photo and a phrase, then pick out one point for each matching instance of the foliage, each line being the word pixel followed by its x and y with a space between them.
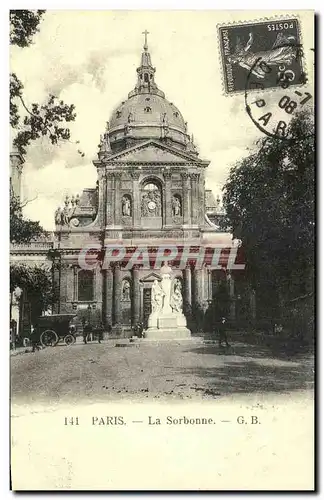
pixel 34 120
pixel 35 281
pixel 23 26
pixel 22 230
pixel 269 201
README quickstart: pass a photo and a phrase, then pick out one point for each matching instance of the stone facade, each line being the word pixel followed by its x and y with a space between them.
pixel 150 191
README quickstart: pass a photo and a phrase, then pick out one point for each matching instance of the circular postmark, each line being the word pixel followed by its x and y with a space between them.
pixel 271 110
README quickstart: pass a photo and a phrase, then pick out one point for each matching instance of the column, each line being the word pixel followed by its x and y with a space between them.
pixel 98 287
pixel 110 199
pixel 136 206
pixel 232 297
pixel 75 283
pixel 201 199
pixel 197 289
pixel 102 188
pixel 117 293
pixel 197 309
pixel 186 198
pixel 187 289
pixel 108 295
pixel 194 197
pixel 209 285
pixel 136 295
pixel 117 198
pixel 168 201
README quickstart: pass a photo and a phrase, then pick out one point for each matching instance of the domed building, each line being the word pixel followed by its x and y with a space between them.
pixel 150 194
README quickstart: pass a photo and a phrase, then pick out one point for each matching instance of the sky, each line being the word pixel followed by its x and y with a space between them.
pixel 89 58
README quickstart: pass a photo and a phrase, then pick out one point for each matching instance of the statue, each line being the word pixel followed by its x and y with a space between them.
pixel 176 206
pixel 66 215
pixel 130 117
pixel 126 206
pixel 176 299
pixel 166 273
pixel 167 320
pixel 58 216
pixel 157 297
pixel 126 290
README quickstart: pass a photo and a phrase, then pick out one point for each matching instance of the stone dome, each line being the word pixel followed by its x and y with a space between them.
pixel 147 114
pixel 147 108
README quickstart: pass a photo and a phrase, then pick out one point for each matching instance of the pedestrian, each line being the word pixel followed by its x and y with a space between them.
pixel 87 329
pixel 222 333
pixel 140 329
pixel 34 339
pixel 100 330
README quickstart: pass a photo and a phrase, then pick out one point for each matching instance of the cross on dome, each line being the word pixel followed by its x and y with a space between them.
pixel 145 33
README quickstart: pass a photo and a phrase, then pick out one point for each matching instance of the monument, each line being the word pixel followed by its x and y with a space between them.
pixel 167 321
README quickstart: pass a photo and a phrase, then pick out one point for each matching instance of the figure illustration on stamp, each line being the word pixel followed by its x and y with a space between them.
pixel 283 51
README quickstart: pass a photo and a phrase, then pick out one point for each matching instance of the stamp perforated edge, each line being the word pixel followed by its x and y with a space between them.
pixel 274 18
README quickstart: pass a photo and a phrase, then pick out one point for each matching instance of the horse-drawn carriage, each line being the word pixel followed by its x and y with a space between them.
pixel 50 330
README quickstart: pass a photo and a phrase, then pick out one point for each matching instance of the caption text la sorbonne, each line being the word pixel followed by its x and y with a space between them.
pixel 118 420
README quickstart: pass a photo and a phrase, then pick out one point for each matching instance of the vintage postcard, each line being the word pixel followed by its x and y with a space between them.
pixel 162 250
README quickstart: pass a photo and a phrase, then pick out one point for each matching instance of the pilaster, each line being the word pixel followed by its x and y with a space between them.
pixel 187 287
pixel 117 293
pixel 136 295
pixel 186 189
pixel 117 191
pixel 168 202
pixel 108 295
pixel 136 208
pixel 194 178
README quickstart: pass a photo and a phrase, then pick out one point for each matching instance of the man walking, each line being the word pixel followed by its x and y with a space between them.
pixel 87 329
pixel 222 333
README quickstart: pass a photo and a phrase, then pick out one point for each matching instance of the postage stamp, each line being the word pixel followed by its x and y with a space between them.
pixel 276 43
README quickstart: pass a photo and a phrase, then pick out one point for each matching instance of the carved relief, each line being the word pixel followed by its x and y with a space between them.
pixel 151 201
pixel 134 174
pixel 167 175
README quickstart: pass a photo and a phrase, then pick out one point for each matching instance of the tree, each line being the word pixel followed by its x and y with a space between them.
pixel 22 230
pixel 35 120
pixel 36 282
pixel 269 201
pixel 30 122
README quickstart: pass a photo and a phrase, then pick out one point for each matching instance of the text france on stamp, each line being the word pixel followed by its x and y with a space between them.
pixel 272 41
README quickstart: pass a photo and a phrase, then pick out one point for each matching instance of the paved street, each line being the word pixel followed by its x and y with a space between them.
pixel 166 371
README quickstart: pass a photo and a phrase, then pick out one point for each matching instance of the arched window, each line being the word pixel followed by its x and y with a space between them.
pixel 146 77
pixel 151 186
pixel 147 109
pixel 151 200
pixel 85 285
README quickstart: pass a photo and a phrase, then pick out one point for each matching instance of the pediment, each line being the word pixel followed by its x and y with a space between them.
pixel 153 152
pixel 150 278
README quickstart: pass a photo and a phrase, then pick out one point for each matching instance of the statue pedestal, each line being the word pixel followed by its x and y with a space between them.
pixel 167 321
pixel 167 326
